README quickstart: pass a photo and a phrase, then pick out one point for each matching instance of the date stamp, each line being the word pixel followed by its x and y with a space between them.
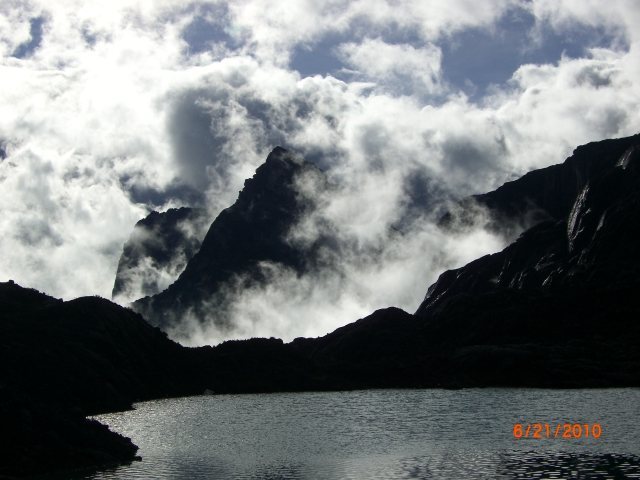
pixel 566 431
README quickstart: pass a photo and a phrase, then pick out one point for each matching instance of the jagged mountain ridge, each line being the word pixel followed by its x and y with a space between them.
pixel 558 307
pixel 580 241
pixel 157 251
pixel 544 198
pixel 245 236
pixel 549 193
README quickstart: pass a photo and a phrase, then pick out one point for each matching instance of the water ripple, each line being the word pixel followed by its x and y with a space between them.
pixel 379 434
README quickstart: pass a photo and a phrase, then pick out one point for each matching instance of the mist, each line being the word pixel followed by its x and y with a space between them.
pixel 375 254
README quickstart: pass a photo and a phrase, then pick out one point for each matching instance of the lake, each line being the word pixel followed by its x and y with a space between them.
pixel 384 434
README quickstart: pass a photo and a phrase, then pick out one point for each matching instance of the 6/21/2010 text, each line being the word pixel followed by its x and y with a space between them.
pixel 559 430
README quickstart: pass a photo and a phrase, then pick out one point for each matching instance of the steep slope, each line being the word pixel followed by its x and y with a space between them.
pixel 559 306
pixel 541 195
pixel 157 251
pixel 589 240
pixel 242 239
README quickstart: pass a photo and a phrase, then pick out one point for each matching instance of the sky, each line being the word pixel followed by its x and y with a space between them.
pixel 113 109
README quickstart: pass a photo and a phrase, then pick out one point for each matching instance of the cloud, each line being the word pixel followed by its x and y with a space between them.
pixel 401 67
pixel 117 108
pixel 619 17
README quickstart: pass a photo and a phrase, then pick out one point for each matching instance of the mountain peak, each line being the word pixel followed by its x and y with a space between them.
pixel 589 238
pixel 282 157
pixel 245 236
pixel 277 151
pixel 157 251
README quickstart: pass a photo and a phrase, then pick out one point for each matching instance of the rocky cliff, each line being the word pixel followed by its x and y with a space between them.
pixel 157 251
pixel 245 237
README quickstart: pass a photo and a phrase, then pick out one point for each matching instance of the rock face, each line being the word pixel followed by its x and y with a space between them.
pixel 591 206
pixel 157 251
pixel 242 240
pixel 550 193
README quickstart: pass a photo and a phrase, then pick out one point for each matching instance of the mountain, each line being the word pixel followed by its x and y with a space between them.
pixel 588 237
pixel 44 439
pixel 61 361
pixel 87 352
pixel 558 306
pixel 241 242
pixel 157 251
pixel 547 193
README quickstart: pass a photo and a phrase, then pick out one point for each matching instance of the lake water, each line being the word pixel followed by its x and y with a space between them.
pixel 381 434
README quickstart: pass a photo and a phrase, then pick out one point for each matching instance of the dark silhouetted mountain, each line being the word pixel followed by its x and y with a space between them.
pixel 72 359
pixel 589 239
pixel 40 439
pixel 245 236
pixel 557 308
pixel 157 251
pixel 558 304
pixel 549 193
pixel 90 352
pixel 553 190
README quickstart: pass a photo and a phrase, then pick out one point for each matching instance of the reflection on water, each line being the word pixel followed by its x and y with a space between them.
pixel 380 434
pixel 507 465
pixel 569 465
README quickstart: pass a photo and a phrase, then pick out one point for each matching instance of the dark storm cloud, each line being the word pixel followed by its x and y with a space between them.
pixel 473 161
pixel 175 193
pixel 195 137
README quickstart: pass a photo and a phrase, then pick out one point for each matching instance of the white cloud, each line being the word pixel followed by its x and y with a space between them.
pixel 620 17
pixel 402 67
